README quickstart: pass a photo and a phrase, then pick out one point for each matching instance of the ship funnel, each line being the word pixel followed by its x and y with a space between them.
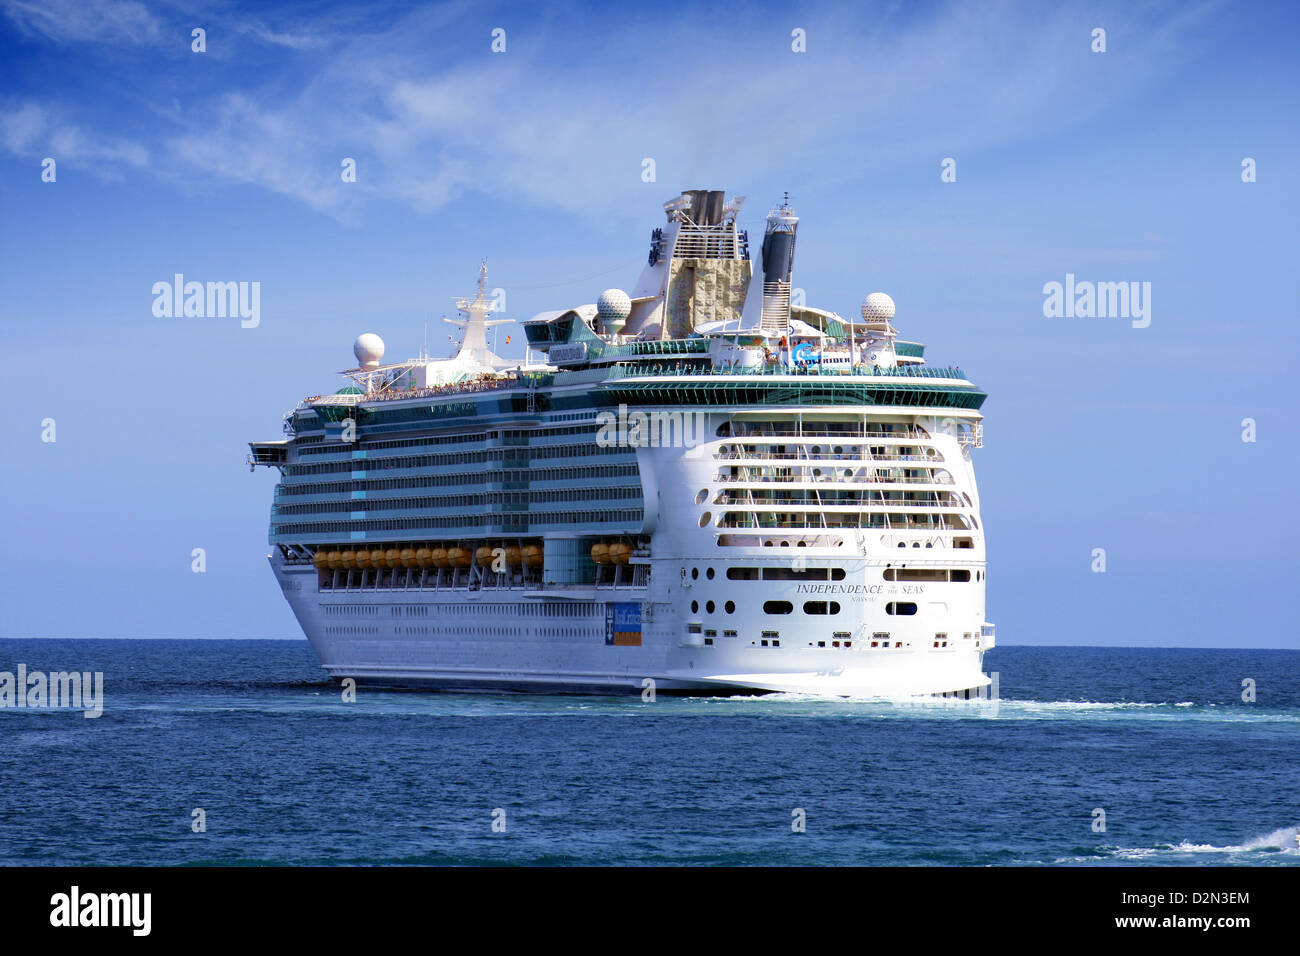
pixel 704 207
pixel 778 265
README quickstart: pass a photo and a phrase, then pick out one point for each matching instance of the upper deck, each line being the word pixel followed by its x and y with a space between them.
pixel 682 378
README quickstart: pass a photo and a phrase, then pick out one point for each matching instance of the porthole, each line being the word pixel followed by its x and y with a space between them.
pixel 901 608
pixel 701 496
pixel 778 607
pixel 695 574
pixel 709 574
pixel 730 607
pixel 705 519
pixel 695 607
pixel 709 607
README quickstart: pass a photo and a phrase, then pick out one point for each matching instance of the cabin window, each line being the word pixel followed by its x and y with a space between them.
pixel 821 607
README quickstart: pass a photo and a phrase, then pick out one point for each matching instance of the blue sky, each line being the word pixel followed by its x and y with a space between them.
pixel 225 165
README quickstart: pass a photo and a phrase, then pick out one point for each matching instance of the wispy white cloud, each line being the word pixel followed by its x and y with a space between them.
pixel 294 41
pixel 79 21
pixel 238 141
pixel 565 117
pixel 130 22
pixel 31 130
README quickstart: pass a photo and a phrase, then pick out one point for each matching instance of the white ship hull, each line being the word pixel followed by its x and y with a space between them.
pixel 702 612
pixel 497 640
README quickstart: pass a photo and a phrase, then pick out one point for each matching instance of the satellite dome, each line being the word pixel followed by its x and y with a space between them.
pixel 614 304
pixel 613 307
pixel 877 307
pixel 369 349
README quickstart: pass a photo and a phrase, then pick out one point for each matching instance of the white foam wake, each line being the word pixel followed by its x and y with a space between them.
pixel 1283 840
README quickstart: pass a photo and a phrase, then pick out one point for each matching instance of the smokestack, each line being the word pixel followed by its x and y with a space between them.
pixel 698 198
pixel 778 264
pixel 713 209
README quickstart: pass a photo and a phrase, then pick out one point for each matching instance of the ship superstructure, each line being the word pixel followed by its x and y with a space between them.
pixel 701 485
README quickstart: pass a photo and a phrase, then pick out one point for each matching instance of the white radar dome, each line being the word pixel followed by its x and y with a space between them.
pixel 877 307
pixel 369 349
pixel 614 304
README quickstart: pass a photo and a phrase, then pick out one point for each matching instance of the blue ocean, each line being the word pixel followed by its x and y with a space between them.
pixel 253 735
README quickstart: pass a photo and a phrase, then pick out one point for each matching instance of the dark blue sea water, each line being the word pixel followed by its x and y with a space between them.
pixel 287 773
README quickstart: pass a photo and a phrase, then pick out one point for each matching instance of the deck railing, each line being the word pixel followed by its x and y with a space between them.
pixel 699 370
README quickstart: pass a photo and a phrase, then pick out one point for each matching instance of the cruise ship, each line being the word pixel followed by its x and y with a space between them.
pixel 701 485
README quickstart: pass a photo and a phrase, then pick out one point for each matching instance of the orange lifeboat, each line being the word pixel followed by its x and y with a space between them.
pixel 533 556
pixel 349 560
pixel 619 552
pixel 408 557
pixel 439 558
pixel 320 560
pixel 335 560
pixel 600 552
pixel 484 555
pixel 393 558
pixel 514 557
pixel 459 557
pixel 363 559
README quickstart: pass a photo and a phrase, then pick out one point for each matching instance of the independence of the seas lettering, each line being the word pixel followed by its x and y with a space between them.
pixel 860 589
